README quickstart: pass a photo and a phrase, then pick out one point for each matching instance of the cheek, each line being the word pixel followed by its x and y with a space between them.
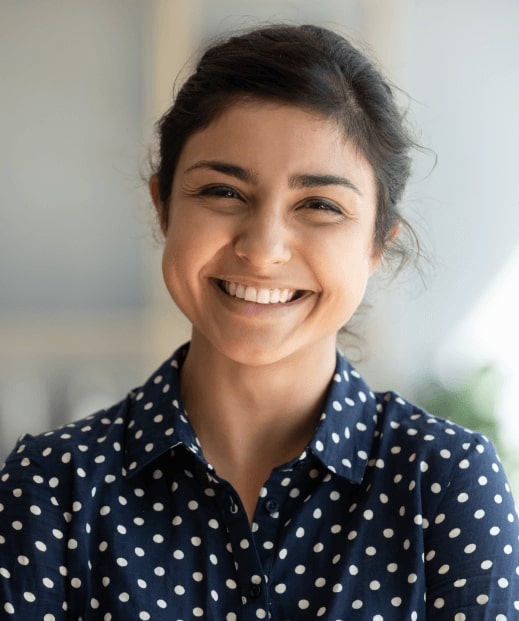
pixel 346 270
pixel 188 248
pixel 176 248
pixel 181 235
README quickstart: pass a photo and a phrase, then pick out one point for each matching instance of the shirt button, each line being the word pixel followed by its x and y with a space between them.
pixel 254 591
pixel 271 505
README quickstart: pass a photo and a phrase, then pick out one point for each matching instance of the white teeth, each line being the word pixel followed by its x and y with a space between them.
pixel 274 296
pixel 263 296
pixel 250 294
pixel 259 296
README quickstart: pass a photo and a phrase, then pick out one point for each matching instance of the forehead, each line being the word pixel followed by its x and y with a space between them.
pixel 276 139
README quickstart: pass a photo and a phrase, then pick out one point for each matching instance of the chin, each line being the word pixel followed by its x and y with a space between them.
pixel 253 354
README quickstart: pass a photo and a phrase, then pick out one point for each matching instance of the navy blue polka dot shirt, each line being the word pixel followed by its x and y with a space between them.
pixel 389 514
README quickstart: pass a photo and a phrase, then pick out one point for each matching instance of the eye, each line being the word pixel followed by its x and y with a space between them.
pixel 324 206
pixel 221 191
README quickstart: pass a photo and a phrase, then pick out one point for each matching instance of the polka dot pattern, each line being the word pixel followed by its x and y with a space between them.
pixel 389 514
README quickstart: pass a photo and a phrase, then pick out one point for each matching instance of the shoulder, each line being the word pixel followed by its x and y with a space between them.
pixel 69 452
pixel 104 445
pixel 404 427
pixel 443 463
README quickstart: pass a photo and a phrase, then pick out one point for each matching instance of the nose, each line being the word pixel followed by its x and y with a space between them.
pixel 263 240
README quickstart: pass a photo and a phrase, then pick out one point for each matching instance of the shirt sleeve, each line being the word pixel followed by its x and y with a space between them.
pixel 33 532
pixel 472 553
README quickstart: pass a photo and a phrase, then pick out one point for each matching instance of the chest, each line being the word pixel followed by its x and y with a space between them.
pixel 180 546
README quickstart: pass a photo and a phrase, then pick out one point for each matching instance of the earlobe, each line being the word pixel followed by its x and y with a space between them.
pixel 153 186
pixel 375 261
pixel 393 233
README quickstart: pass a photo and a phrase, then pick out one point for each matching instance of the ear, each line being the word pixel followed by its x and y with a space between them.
pixel 161 210
pixel 379 252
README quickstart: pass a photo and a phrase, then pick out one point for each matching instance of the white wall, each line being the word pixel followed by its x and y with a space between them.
pixel 463 72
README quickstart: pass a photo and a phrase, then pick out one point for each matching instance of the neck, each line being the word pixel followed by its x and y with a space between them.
pixel 252 419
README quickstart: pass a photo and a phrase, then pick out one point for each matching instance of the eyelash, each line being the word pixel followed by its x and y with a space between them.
pixel 221 191
pixel 318 204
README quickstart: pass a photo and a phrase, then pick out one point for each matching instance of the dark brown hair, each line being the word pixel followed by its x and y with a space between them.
pixel 310 67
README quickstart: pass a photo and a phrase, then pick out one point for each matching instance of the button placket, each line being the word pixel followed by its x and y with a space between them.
pixel 249 573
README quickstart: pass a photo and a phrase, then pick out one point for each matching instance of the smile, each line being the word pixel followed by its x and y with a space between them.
pixel 258 295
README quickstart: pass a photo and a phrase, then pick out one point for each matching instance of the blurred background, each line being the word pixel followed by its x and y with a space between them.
pixel 83 313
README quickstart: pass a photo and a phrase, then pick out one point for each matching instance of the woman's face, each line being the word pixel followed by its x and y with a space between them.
pixel 269 244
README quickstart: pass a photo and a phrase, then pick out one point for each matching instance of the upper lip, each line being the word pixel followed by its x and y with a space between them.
pixel 258 283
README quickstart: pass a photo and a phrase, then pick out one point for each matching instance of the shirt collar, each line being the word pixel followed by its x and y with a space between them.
pixel 347 428
pixel 157 421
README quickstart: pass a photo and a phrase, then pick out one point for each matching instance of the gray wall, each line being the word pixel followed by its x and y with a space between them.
pixel 71 124
pixel 74 224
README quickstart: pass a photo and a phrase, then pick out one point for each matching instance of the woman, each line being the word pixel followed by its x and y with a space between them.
pixel 255 475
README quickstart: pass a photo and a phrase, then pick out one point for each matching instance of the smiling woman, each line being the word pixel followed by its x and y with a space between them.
pixel 255 475
pixel 292 219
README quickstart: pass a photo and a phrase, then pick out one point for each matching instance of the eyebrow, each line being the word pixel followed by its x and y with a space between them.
pixel 314 181
pixel 296 181
pixel 243 174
